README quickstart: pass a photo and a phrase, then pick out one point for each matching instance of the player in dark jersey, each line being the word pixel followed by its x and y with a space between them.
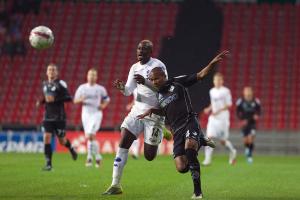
pixel 248 110
pixel 175 104
pixel 55 94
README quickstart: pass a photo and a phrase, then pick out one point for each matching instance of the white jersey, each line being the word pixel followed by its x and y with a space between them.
pixel 145 98
pixel 93 94
pixel 219 98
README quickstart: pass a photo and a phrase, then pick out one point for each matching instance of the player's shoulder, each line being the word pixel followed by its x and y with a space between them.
pixel 257 101
pixel 239 101
pixel 99 86
pixel 62 83
pixel 157 63
pixel 226 89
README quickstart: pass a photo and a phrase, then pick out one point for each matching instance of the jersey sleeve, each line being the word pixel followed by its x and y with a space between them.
pixel 64 94
pixel 239 109
pixel 78 93
pixel 104 95
pixel 228 99
pixel 131 83
pixel 186 80
pixel 258 107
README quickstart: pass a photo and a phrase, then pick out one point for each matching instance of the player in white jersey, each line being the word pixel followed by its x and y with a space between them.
pixel 219 119
pixel 94 99
pixel 131 126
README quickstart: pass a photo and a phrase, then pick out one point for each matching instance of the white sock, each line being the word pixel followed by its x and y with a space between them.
pixel 96 150
pixel 119 164
pixel 135 147
pixel 208 154
pixel 229 145
pixel 89 150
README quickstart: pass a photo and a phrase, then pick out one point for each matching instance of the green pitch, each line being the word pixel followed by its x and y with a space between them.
pixel 269 177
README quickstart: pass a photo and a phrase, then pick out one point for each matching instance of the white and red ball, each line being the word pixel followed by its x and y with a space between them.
pixel 41 37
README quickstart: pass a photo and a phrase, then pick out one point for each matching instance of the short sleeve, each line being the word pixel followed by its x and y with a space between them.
pixel 228 99
pixel 78 92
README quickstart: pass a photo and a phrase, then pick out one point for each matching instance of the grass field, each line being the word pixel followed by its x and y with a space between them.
pixel 270 177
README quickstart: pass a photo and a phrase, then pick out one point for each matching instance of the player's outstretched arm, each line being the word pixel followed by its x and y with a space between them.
pixel 150 112
pixel 211 65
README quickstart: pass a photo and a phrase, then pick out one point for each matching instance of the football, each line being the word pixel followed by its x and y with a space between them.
pixel 41 37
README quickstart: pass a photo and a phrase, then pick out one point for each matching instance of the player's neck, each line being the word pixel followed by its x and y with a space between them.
pixel 51 79
pixel 142 62
pixel 91 84
pixel 218 87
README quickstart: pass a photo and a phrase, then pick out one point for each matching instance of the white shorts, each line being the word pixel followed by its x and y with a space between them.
pixel 152 128
pixel 91 122
pixel 217 129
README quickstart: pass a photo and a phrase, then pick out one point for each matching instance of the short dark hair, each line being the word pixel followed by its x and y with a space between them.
pixel 148 43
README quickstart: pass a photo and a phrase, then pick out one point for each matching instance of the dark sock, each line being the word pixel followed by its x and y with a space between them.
pixel 191 155
pixel 251 147
pixel 68 144
pixel 48 154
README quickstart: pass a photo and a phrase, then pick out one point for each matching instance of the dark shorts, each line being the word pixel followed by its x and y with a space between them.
pixel 249 129
pixel 191 131
pixel 57 128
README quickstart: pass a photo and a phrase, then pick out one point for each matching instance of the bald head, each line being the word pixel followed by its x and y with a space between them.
pixel 158 77
pixel 144 51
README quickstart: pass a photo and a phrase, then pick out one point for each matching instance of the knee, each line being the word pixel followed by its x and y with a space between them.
pixel 182 168
pixel 61 141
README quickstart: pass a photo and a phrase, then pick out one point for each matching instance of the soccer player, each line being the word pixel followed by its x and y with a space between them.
pixel 93 98
pixel 55 95
pixel 176 106
pixel 248 110
pixel 131 127
pixel 219 119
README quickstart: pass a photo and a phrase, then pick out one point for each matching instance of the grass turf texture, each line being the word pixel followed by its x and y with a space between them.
pixel 269 177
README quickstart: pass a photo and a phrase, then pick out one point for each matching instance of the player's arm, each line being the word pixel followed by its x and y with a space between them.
pixel 40 101
pixel 104 99
pixel 130 85
pixel 210 66
pixel 207 110
pixel 78 98
pixel 239 109
pixel 257 110
pixel 150 112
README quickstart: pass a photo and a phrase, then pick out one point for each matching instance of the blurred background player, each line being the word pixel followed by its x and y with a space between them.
pixel 93 98
pixel 55 95
pixel 248 110
pixel 145 99
pixel 219 119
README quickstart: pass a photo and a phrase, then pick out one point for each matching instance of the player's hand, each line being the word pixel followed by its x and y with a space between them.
pixel 243 123
pixel 37 104
pixel 49 99
pixel 139 79
pixel 142 116
pixel 220 57
pixel 255 117
pixel 119 84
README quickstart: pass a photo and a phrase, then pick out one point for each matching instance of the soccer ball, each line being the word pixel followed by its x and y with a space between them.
pixel 41 37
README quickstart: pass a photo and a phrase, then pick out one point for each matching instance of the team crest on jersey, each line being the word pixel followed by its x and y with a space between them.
pixel 53 88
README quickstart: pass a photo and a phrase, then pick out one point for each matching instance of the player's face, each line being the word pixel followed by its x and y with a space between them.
pixel 143 52
pixel 92 77
pixel 218 81
pixel 248 94
pixel 157 79
pixel 52 72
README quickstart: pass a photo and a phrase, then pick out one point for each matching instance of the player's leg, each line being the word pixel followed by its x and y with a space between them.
pixel 47 128
pixel 87 127
pixel 212 133
pixel 153 134
pixel 224 141
pixel 250 141
pixel 135 148
pixel 191 149
pixel 95 122
pixel 48 151
pixel 120 161
pixel 61 135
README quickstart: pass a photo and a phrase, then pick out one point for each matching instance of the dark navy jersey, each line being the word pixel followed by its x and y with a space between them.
pixel 175 101
pixel 55 111
pixel 245 110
